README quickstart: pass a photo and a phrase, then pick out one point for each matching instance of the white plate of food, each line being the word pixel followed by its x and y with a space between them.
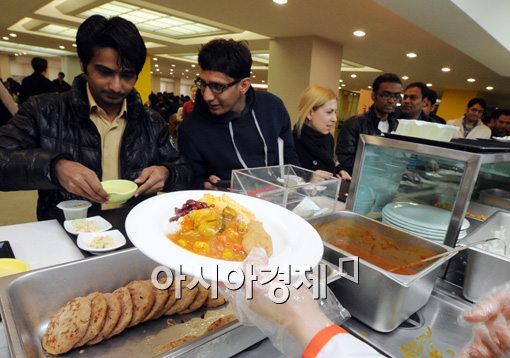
pixel 293 240
pixel 101 242
pixel 92 224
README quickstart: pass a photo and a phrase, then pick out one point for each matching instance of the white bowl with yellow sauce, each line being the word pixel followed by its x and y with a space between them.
pixel 101 242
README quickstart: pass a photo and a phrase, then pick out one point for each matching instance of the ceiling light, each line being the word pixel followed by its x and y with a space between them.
pixel 359 33
pixel 186 70
pixel 62 47
pixel 354 75
pixel 263 81
pixel 155 58
pixel 489 88
pixel 13 35
pixel 193 65
pixel 157 69
pixel 198 74
pixel 340 81
pixel 182 74
pixel 405 77
pixel 152 72
pixel 16 54
pixel 280 2
pixel 429 84
pixel 173 65
pixel 369 87
pixel 5 38
pixel 339 87
pixel 411 55
pixel 74 45
pixel 446 69
pixel 156 65
pixel 343 84
pixel 471 80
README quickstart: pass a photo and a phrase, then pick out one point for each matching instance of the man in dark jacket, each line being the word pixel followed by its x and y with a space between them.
pixel 64 144
pixel 59 84
pixel 232 125
pixel 37 82
pixel 386 93
pixel 413 102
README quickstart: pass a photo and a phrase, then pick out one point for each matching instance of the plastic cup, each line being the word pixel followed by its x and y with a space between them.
pixel 74 209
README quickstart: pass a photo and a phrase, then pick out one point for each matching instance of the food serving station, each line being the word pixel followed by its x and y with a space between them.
pixel 402 313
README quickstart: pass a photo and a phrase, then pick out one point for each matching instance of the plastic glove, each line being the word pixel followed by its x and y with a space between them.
pixel 491 336
pixel 291 325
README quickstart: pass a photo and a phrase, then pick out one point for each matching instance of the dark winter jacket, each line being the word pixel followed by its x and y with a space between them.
pixel 348 137
pixel 206 142
pixel 50 127
pixel 315 150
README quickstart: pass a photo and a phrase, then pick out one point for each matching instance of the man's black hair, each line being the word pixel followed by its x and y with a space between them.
pixel 385 77
pixel 117 33
pixel 431 95
pixel 39 64
pixel 477 100
pixel 422 86
pixel 62 74
pixel 230 57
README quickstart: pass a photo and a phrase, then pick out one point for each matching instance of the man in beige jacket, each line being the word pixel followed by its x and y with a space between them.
pixel 471 125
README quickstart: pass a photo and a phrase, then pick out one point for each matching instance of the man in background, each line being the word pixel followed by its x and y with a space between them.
pixel 59 84
pixel 471 125
pixel 502 125
pixel 386 93
pixel 37 82
pixel 232 126
pixel 65 144
pixel 430 106
pixel 413 103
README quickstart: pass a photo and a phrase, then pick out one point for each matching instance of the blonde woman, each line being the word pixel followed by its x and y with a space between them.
pixel 313 141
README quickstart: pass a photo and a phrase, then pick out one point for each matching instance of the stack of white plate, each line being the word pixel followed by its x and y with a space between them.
pixel 422 220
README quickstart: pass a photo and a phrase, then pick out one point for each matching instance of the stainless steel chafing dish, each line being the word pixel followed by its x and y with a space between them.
pixel 380 299
pixel 28 301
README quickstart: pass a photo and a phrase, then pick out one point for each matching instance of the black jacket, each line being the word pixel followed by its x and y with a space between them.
pixel 33 85
pixel 315 150
pixel 348 138
pixel 50 127
pixel 205 140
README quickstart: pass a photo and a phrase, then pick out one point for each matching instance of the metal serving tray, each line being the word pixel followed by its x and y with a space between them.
pixel 496 197
pixel 382 300
pixel 486 270
pixel 28 301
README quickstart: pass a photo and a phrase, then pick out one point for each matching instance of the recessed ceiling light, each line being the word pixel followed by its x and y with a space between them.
pixel 155 58
pixel 280 2
pixel 254 76
pixel 359 33
pixel 471 80
pixel 182 74
pixel 74 45
pixel 193 65
pixel 354 75
pixel 16 54
pixel 13 35
pixel 62 47
pixel 489 88
pixel 339 87
pixel 157 69
pixel 429 84
pixel 340 81
pixel 152 72
pixel 405 77
pixel 369 87
pixel 446 69
pixel 186 70
pixel 198 74
pixel 263 81
pixel 5 38
pixel 173 65
pixel 411 55
pixel 343 84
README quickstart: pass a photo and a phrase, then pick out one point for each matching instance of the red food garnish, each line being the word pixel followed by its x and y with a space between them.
pixel 188 206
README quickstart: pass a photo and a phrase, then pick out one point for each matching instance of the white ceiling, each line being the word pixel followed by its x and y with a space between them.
pixel 439 31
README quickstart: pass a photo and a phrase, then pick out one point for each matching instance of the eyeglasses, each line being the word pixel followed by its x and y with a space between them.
pixel 216 88
pixel 387 95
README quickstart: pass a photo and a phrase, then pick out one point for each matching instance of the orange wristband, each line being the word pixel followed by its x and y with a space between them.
pixel 321 339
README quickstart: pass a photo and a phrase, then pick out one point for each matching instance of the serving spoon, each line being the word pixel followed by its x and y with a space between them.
pixel 454 251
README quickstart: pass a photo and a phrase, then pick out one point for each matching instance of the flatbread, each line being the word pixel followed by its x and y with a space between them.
pixel 126 306
pixel 172 345
pixel 220 322
pixel 160 300
pixel 256 236
pixel 143 299
pixel 187 298
pixel 112 317
pixel 99 307
pixel 214 302
pixel 68 326
pixel 199 301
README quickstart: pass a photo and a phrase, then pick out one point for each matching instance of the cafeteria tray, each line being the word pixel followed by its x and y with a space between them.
pixel 28 300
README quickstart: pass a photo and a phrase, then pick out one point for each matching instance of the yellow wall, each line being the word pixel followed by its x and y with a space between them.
pixel 143 85
pixel 454 102
pixel 365 101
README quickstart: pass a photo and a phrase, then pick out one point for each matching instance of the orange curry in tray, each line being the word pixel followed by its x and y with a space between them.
pixel 375 248
pixel 220 228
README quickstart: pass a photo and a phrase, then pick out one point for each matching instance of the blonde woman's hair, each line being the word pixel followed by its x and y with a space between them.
pixel 315 96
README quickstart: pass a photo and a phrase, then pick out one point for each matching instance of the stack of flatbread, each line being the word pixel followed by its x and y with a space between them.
pixel 91 319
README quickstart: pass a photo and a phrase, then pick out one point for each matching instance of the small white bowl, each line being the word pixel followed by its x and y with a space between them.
pixel 93 224
pixel 85 241
pixel 74 209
